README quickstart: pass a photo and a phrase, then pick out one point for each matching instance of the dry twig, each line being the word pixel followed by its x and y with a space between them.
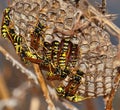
pixel 91 13
pixel 9 103
pixel 53 93
pixel 44 87
pixel 18 65
pixel 4 93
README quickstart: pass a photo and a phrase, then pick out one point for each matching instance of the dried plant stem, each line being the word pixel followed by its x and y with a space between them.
pixel 4 93
pixel 109 98
pixel 18 65
pixel 53 93
pixel 44 87
pixel 32 76
pixel 91 13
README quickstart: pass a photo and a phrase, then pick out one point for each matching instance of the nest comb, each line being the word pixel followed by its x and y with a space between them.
pixel 97 57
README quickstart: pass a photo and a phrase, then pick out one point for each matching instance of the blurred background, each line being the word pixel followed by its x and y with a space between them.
pixel 14 80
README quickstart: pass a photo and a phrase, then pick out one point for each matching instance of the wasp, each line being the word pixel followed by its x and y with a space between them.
pixel 64 53
pixel 60 53
pixel 27 55
pixel 56 59
pixel 24 52
pixel 63 57
pixel 74 83
pixel 36 39
pixel 30 53
pixel 37 36
pixel 74 98
pixel 5 23
pixel 8 32
pixel 14 37
pixel 69 92
pixel 49 57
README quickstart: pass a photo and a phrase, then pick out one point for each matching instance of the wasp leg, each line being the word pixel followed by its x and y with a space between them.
pixel 74 83
pixel 54 74
pixel 26 55
pixel 58 74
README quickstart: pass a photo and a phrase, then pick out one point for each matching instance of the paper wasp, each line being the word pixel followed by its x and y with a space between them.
pixel 69 92
pixel 37 36
pixel 60 55
pixel 24 51
pixel 8 31
pixel 5 23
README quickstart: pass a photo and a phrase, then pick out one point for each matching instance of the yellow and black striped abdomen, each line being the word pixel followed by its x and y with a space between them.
pixel 14 37
pixel 18 48
pixel 18 39
pixel 65 48
pixel 60 55
pixel 5 23
pixel 4 31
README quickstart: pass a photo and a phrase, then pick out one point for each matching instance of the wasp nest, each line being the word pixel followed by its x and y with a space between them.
pixel 97 55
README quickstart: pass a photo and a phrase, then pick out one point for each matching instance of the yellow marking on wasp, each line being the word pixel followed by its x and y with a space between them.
pixel 76 98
